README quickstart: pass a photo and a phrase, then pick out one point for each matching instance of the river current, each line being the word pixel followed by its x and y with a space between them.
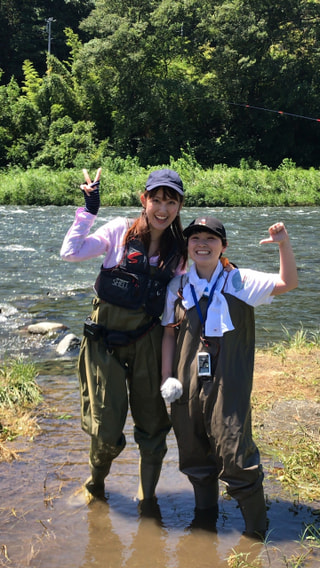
pixel 36 285
pixel 44 519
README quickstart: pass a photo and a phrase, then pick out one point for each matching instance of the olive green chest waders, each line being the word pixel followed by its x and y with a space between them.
pixel 212 419
pixel 110 380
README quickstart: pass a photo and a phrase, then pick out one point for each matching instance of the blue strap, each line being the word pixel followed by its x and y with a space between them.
pixel 203 320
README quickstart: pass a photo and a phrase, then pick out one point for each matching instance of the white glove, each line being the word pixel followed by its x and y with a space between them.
pixel 171 389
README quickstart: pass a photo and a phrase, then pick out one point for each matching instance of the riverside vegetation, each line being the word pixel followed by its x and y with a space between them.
pixel 122 181
pixel 19 399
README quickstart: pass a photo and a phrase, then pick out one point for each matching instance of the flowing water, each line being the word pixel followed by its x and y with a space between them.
pixel 44 519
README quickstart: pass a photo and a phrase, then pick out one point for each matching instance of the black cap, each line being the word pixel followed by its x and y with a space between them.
pixel 166 178
pixel 210 224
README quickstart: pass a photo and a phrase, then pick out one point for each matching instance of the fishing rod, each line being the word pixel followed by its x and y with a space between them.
pixel 281 112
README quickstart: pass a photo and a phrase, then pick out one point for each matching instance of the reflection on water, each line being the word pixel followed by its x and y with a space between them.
pixel 45 521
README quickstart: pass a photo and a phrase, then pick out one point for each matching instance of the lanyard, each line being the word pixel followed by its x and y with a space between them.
pixel 203 319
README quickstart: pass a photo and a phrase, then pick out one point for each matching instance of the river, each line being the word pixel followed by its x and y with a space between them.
pixel 44 519
pixel 36 285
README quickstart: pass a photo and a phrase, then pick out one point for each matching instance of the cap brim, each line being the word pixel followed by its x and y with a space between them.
pixel 194 228
pixel 172 185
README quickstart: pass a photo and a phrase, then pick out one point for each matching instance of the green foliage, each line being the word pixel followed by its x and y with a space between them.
pixel 74 44
pixel 301 471
pixel 27 131
pixel 59 88
pixel 41 186
pixel 68 145
pixel 123 180
pixel 18 385
pixel 32 81
pixel 300 339
pixel 24 34
pixel 152 78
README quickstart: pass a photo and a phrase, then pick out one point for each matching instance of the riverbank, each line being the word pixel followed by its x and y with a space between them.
pixel 20 396
pixel 286 416
pixel 46 521
pixel 122 182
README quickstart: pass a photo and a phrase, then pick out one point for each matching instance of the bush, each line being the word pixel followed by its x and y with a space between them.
pixel 122 182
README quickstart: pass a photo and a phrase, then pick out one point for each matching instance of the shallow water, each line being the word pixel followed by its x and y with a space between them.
pixel 44 518
pixel 46 522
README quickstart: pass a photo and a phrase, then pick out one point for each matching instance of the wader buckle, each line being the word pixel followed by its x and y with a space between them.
pixel 115 338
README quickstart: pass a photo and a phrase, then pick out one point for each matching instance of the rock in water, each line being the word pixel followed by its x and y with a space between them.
pixel 44 327
pixel 68 343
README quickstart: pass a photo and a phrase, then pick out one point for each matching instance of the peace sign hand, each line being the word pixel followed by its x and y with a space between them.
pixel 91 192
pixel 90 186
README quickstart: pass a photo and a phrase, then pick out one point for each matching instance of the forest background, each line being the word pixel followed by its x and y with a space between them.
pixel 226 92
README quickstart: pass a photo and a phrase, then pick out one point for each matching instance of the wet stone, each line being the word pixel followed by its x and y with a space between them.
pixel 46 327
pixel 70 342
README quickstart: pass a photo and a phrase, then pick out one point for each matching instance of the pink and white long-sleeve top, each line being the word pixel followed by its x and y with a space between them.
pixel 107 240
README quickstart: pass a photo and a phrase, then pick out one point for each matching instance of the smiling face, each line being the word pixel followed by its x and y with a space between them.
pixel 161 208
pixel 205 249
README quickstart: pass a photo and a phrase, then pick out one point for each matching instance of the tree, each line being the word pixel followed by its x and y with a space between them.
pixel 155 77
pixel 20 126
pixel 266 54
pixel 23 31
pixel 140 59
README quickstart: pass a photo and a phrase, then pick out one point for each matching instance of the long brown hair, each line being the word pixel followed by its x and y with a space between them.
pixel 171 237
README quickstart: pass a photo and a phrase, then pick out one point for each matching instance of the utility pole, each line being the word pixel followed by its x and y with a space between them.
pixel 49 22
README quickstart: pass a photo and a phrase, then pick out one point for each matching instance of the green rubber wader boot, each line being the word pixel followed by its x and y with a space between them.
pixel 149 476
pixel 254 512
pixel 95 483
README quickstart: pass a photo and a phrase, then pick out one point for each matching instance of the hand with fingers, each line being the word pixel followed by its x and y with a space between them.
pixel 278 233
pixel 91 193
pixel 288 275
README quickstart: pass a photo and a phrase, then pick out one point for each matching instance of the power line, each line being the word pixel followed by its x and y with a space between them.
pixel 281 112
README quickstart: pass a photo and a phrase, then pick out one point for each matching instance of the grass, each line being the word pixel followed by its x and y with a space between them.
pixel 17 384
pixel 299 454
pixel 301 339
pixel 264 555
pixel 122 182
pixel 285 375
pixel 19 396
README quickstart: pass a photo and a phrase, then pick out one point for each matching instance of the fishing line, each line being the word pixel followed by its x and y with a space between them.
pixel 281 112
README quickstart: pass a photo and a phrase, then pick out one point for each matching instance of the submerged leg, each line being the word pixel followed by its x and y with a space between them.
pixel 254 512
pixel 95 483
pixel 206 495
pixel 149 474
pixel 206 510
pixel 101 457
